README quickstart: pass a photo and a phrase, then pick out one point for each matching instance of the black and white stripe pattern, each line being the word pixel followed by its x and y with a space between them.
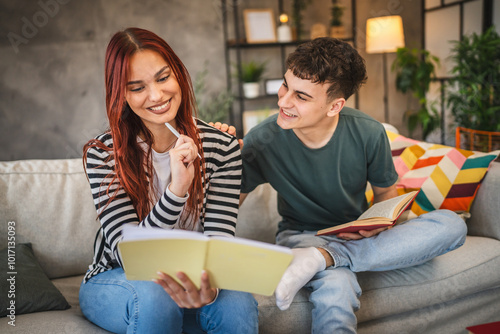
pixel 220 201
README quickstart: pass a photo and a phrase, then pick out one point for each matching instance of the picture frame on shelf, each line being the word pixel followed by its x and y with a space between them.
pixel 253 117
pixel 272 86
pixel 259 25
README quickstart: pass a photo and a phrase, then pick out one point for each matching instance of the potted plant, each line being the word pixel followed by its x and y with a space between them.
pixel 214 107
pixel 251 74
pixel 337 30
pixel 415 69
pixel 474 90
pixel 474 94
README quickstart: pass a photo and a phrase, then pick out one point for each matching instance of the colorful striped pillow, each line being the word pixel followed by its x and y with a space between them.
pixel 399 143
pixel 448 177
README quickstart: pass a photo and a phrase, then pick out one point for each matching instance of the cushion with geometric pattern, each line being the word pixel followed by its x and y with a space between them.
pixel 448 178
pixel 399 143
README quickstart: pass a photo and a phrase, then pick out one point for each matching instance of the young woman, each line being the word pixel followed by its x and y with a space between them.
pixel 140 173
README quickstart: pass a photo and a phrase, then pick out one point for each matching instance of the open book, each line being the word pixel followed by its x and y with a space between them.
pixel 380 214
pixel 232 263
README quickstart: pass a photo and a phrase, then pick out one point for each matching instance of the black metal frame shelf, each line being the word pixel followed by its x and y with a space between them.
pixel 237 45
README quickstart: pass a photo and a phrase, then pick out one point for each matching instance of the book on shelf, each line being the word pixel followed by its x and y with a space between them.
pixel 232 263
pixel 381 214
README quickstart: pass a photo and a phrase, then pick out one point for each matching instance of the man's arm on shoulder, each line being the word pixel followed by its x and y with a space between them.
pixel 227 128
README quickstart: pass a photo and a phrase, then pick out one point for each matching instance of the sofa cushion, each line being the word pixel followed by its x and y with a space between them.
pixel 258 216
pixel 448 178
pixel 68 321
pixel 274 321
pixel 27 287
pixel 51 205
pixel 470 269
pixel 399 143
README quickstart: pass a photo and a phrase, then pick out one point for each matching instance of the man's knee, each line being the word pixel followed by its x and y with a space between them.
pixel 341 278
pixel 450 222
pixel 234 312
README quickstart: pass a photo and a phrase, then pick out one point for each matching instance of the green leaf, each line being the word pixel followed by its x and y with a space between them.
pixel 477 73
pixel 415 69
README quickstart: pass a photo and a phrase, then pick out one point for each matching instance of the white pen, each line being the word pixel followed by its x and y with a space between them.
pixel 177 134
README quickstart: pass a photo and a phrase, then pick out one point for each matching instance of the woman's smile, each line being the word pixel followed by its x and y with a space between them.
pixel 160 109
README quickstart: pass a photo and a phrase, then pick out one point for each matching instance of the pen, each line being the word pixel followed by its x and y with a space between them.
pixel 177 134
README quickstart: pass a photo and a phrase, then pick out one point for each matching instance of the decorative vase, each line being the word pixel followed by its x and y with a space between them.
pixel 284 33
pixel 251 89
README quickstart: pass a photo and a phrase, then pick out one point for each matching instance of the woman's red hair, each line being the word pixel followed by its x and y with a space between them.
pixel 132 163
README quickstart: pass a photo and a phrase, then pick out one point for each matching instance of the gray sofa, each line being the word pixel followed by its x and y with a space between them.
pixel 50 203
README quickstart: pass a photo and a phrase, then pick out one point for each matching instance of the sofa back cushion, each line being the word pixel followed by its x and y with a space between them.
pixel 51 205
pixel 485 210
pixel 258 216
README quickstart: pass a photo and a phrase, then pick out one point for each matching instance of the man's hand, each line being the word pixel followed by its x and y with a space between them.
pixel 187 295
pixel 380 194
pixel 227 128
pixel 361 234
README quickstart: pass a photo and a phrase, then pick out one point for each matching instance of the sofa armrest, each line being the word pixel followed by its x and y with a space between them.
pixel 485 210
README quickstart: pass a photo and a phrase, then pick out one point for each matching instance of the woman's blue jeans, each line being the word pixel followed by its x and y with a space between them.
pixel 118 305
pixel 335 291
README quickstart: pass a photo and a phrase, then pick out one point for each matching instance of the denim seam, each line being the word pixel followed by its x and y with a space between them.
pixel 205 318
pixel 125 286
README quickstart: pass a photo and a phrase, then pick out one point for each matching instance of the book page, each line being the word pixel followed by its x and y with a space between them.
pixel 232 263
pixel 384 209
pixel 246 265
pixel 142 259
pixel 135 232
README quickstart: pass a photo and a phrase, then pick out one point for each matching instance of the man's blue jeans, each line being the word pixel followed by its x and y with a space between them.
pixel 335 291
pixel 121 306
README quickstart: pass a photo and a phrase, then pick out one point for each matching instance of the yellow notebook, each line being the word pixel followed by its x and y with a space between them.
pixel 232 263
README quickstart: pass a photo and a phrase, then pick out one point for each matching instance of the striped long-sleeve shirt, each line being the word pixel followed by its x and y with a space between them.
pixel 220 201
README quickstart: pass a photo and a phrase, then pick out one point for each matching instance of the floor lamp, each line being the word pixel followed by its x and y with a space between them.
pixel 384 35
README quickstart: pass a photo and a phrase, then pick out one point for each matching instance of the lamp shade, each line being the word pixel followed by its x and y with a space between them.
pixel 384 34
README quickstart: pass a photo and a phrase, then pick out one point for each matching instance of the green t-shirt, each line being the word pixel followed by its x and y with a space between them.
pixel 319 188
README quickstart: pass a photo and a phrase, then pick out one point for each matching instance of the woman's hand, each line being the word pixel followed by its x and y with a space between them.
pixel 186 295
pixel 182 168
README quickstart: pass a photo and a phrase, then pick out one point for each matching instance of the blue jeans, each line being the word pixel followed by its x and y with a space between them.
pixel 335 291
pixel 118 305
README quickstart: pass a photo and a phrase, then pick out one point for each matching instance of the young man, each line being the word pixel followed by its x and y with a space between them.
pixel 319 156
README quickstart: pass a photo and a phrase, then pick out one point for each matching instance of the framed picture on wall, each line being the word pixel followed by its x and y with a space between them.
pixel 259 25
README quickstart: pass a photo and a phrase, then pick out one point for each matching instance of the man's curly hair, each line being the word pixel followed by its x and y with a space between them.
pixel 329 60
